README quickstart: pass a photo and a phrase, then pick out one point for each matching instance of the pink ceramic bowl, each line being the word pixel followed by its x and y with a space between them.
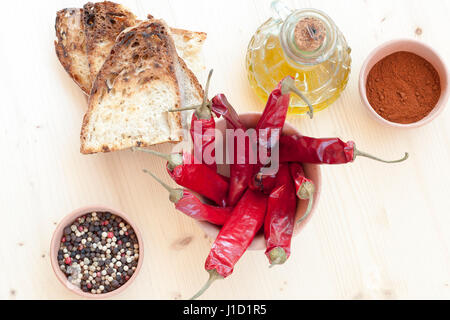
pixel 312 172
pixel 54 247
pixel 415 47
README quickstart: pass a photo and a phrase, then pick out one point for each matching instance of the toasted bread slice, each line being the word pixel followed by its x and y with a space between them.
pixel 189 45
pixel 71 46
pixel 103 21
pixel 133 91
pixel 72 52
pixel 191 94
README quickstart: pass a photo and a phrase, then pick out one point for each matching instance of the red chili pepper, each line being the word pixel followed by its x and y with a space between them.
pixel 203 128
pixel 264 183
pixel 273 118
pixel 222 108
pixel 204 140
pixel 241 170
pixel 203 118
pixel 187 203
pixel 193 207
pixel 322 151
pixel 275 112
pixel 235 237
pixel 304 187
pixel 274 115
pixel 196 177
pixel 280 218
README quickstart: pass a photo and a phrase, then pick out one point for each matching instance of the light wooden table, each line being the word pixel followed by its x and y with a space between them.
pixel 379 232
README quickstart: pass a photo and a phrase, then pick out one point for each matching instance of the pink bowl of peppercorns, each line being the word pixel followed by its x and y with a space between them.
pixel 96 252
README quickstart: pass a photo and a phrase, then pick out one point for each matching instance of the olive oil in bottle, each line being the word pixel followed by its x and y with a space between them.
pixel 304 44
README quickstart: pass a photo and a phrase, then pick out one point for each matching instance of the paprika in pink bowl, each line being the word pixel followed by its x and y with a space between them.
pixel 404 84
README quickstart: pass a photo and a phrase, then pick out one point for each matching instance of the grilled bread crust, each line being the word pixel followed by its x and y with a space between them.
pixel 70 46
pixel 189 45
pixel 140 68
pixel 103 21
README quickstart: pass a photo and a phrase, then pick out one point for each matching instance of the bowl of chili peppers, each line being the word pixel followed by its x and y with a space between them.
pixel 246 206
pixel 310 176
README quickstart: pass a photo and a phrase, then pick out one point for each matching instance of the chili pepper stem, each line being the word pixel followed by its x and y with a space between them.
pixel 308 210
pixel 213 276
pixel 174 160
pixel 202 111
pixel 288 85
pixel 306 192
pixel 364 154
pixel 277 256
pixel 156 153
pixel 175 194
pixel 185 108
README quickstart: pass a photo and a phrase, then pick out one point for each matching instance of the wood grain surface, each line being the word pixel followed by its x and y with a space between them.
pixel 380 231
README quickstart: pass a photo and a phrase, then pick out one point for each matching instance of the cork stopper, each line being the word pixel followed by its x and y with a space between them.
pixel 309 34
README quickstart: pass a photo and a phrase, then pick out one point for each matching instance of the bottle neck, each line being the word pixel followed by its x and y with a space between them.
pixel 308 37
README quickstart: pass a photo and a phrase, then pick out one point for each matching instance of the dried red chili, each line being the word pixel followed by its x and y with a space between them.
pixel 275 112
pixel 235 237
pixel 322 151
pixel 304 187
pixel 280 218
pixel 202 118
pixel 203 128
pixel 222 108
pixel 264 183
pixel 196 177
pixel 274 116
pixel 241 170
pixel 187 203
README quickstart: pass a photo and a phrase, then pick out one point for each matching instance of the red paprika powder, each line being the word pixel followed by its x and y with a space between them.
pixel 403 87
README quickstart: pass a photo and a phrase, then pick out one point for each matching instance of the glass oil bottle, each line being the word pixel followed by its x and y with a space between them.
pixel 305 44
